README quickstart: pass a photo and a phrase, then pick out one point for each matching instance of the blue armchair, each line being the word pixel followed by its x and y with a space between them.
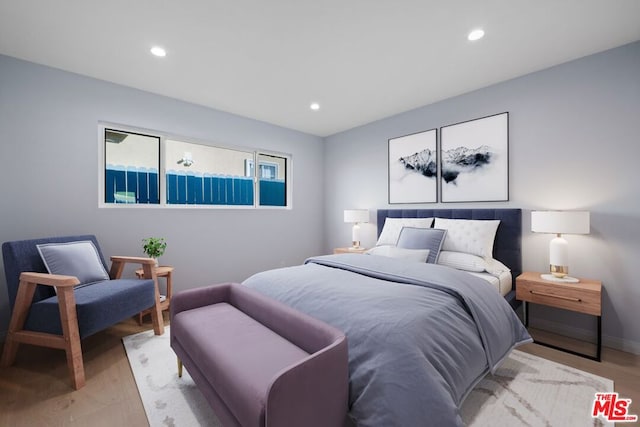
pixel 58 311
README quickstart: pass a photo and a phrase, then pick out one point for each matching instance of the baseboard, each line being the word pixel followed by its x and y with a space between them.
pixel 627 346
pixel 586 335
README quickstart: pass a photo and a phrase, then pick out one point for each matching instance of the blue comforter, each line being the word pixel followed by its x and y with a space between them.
pixel 420 335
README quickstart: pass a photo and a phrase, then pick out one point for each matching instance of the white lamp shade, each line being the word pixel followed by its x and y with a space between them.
pixel 356 215
pixel 560 222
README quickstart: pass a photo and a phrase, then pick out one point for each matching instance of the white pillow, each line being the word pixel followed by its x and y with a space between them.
pixel 495 267
pixel 468 262
pixel 469 236
pixel 419 255
pixel 462 261
pixel 393 227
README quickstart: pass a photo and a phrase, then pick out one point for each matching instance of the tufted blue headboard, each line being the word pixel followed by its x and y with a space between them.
pixel 507 247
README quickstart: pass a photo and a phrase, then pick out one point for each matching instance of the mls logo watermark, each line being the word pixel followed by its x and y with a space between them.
pixel 612 408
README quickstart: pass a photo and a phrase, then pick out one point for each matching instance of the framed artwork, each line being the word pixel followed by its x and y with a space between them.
pixel 413 168
pixel 474 160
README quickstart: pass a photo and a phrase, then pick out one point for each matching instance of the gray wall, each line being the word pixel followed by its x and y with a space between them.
pixel 49 178
pixel 574 144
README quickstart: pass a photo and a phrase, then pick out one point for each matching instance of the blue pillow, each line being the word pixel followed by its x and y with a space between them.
pixel 79 259
pixel 423 238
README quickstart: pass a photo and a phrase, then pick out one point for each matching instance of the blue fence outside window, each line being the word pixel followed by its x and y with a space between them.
pixel 140 186
pixel 272 193
pixel 131 185
pixel 198 189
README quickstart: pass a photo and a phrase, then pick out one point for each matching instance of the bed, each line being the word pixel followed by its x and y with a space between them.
pixel 421 335
pixel 507 246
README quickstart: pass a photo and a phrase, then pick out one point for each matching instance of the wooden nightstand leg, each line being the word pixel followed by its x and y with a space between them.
pixel 598 355
pixel 169 285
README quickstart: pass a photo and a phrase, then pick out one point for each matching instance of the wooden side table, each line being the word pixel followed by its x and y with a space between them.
pixel 165 300
pixel 584 296
pixel 349 251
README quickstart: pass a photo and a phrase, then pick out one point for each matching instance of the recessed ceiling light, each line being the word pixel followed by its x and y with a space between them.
pixel 475 35
pixel 158 51
pixel 314 106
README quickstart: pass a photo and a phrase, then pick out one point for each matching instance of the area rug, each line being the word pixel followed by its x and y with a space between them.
pixel 525 391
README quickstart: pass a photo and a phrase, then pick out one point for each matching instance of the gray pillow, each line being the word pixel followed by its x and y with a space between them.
pixel 79 259
pixel 423 238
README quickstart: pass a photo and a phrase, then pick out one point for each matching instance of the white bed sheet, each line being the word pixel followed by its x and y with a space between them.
pixel 501 283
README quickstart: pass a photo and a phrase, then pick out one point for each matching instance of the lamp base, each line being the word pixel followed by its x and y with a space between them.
pixel 355 245
pixel 565 279
pixel 559 271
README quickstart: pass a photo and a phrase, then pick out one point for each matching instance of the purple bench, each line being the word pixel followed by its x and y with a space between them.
pixel 259 362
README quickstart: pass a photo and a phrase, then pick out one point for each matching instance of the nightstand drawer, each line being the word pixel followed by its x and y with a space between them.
pixel 574 298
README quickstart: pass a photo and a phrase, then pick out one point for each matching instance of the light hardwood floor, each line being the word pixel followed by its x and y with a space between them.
pixel 36 391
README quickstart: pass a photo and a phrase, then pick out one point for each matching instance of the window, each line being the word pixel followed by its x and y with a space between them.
pixel 143 168
pixel 131 167
pixel 203 175
pixel 272 180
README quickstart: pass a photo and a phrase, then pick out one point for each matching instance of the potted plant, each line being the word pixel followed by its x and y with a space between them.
pixel 154 247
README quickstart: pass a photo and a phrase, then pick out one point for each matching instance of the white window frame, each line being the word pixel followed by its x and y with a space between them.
pixel 164 136
pixel 248 167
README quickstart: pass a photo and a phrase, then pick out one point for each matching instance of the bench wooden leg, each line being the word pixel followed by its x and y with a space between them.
pixel 179 368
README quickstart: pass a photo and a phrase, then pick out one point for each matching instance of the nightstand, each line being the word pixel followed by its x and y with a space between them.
pixel 165 300
pixel 584 296
pixel 349 251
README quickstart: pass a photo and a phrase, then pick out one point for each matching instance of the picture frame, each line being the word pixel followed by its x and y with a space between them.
pixel 413 168
pixel 474 160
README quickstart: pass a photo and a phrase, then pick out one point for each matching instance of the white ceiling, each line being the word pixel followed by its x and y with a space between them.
pixel 362 60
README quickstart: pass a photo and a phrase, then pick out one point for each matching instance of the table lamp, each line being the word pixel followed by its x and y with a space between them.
pixel 356 216
pixel 559 223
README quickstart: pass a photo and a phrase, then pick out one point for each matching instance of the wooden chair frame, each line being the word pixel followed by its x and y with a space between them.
pixel 69 341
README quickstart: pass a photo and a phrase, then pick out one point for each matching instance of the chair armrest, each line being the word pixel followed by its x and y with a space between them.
pixel 199 297
pixel 118 262
pixel 292 402
pixel 133 259
pixel 49 279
